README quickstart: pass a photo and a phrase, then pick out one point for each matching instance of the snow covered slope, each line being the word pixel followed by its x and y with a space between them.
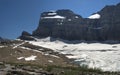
pixel 95 55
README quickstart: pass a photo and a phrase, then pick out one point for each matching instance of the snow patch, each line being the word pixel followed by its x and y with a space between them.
pixel 20 58
pixel 76 17
pixel 16 45
pixel 2 46
pixel 54 17
pixel 69 20
pixel 72 57
pixel 52 13
pixel 32 57
pixel 55 56
pixel 50 61
pixel 39 51
pixel 47 54
pixel 94 16
pixel 77 56
pixel 25 48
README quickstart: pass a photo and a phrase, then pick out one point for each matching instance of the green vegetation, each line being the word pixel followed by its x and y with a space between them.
pixel 57 70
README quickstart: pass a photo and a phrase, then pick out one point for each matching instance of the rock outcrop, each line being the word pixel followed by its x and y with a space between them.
pixel 100 26
pixel 26 36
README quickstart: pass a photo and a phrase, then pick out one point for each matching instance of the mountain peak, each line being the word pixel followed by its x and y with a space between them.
pixel 118 4
pixel 66 24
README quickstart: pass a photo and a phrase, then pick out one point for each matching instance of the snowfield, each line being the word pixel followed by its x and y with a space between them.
pixel 95 55
pixel 54 17
pixel 94 16
pixel 31 58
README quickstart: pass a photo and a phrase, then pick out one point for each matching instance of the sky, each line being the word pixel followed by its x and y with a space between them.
pixel 23 15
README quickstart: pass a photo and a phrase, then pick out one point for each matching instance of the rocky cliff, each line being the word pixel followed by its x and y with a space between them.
pixel 65 24
pixel 26 36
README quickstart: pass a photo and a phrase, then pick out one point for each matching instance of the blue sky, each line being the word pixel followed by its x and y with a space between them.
pixel 19 15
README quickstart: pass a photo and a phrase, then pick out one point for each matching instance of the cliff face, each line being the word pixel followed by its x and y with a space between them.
pixel 110 21
pixel 65 24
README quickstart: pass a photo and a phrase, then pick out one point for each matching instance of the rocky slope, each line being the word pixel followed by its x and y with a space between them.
pixel 65 24
pixel 23 58
pixel 18 51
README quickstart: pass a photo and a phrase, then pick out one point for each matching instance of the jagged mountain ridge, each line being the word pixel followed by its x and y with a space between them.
pixel 66 24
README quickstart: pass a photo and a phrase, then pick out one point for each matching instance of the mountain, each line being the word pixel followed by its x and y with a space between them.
pixel 100 26
pixel 4 40
pixel 0 38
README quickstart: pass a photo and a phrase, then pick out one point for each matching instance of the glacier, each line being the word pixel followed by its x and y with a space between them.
pixel 94 55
